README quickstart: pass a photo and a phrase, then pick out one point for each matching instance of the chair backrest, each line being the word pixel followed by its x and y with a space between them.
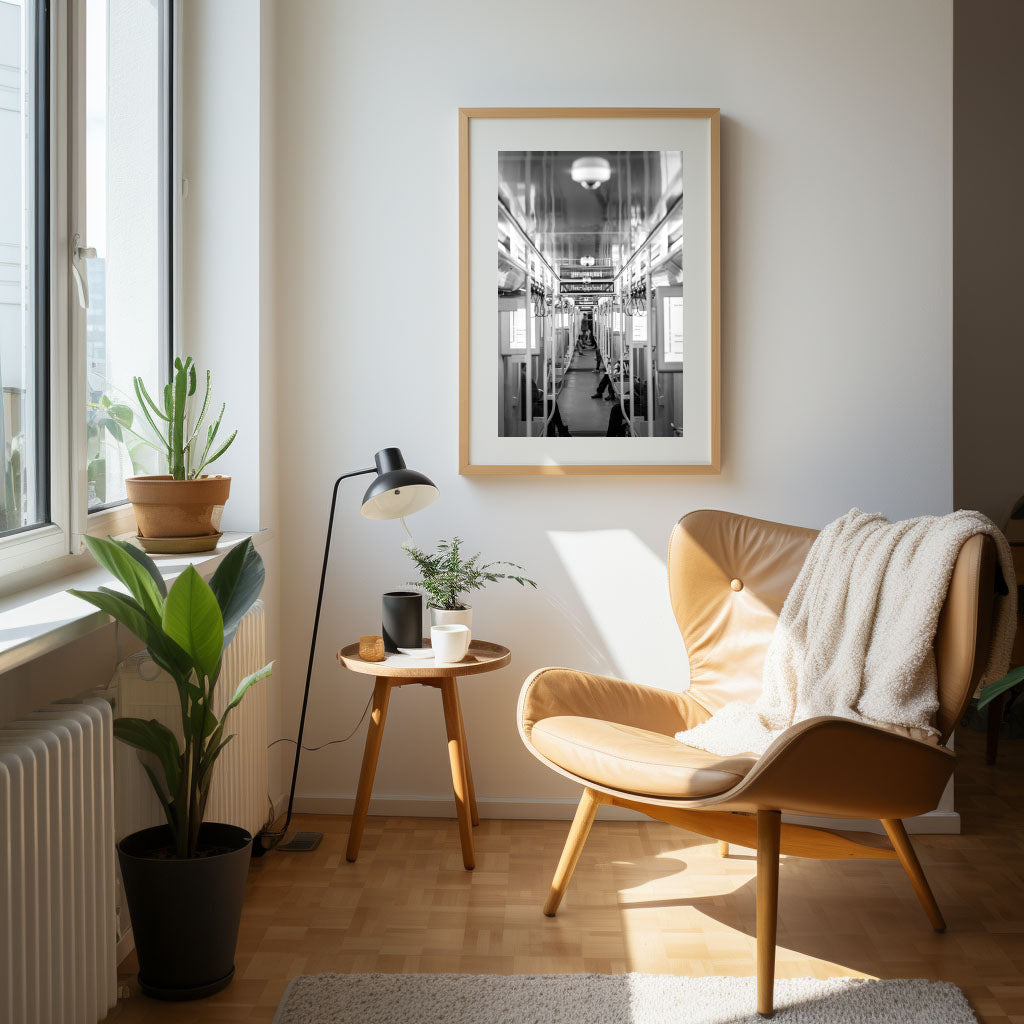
pixel 728 579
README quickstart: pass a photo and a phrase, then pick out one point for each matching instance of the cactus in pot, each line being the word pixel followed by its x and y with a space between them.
pixel 184 502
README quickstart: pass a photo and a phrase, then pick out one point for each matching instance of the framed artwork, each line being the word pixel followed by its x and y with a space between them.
pixel 598 347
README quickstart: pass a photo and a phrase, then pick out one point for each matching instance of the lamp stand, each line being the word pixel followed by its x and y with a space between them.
pixel 304 842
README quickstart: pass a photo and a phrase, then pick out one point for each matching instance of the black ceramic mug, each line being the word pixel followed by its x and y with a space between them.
pixel 402 619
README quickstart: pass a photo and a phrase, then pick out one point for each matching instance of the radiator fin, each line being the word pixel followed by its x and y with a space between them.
pixel 57 921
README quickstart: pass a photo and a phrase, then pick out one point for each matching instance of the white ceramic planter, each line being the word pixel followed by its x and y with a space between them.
pixel 454 617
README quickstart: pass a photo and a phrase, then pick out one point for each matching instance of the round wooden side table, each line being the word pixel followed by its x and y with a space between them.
pixel 403 670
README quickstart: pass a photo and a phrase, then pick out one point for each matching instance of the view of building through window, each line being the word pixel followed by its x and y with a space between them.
pixel 126 223
pixel 21 503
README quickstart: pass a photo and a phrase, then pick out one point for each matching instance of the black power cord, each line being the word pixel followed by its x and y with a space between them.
pixel 267 839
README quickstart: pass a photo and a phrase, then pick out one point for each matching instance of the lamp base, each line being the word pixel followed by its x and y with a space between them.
pixel 301 842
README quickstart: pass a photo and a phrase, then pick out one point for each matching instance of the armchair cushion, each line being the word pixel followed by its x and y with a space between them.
pixel 635 760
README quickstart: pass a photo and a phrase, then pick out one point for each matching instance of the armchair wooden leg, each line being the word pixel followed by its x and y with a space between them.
pixel 723 848
pixel 905 851
pixel 585 813
pixel 769 825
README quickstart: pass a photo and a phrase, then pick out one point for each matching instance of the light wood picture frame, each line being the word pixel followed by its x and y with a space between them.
pixel 600 213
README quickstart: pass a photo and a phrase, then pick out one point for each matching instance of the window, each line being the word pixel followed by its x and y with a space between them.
pixel 672 350
pixel 519 319
pixel 86 211
pixel 24 247
pixel 127 175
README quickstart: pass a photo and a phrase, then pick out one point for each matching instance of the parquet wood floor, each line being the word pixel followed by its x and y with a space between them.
pixel 645 897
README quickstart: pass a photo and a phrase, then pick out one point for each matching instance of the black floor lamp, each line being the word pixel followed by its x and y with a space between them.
pixel 397 492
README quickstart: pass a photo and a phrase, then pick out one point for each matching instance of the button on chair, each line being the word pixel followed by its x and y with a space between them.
pixel 728 579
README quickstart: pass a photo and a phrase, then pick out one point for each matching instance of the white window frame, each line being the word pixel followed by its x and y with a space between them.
pixel 70 520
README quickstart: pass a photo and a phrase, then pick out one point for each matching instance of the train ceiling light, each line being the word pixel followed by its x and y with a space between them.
pixel 590 172
pixel 587 261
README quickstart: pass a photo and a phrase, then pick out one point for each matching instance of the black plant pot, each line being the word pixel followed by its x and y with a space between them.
pixel 185 913
pixel 402 619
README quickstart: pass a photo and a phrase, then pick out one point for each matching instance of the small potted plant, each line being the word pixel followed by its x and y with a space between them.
pixel 184 881
pixel 447 577
pixel 184 502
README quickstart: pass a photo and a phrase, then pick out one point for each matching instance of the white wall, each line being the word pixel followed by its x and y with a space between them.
pixel 222 235
pixel 228 300
pixel 836 187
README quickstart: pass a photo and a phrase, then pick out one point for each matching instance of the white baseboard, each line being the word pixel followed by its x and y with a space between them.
pixel 512 808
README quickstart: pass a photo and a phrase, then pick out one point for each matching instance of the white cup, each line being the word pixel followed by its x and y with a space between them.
pixel 450 643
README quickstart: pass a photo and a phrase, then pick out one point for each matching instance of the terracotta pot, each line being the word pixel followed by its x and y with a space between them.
pixel 165 507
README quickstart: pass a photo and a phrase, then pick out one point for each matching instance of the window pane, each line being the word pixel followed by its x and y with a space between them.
pixel 127 175
pixel 23 376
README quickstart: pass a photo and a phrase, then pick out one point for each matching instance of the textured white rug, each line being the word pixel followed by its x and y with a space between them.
pixel 610 999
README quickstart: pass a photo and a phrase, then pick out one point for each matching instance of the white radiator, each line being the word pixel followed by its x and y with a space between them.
pixel 238 795
pixel 57 959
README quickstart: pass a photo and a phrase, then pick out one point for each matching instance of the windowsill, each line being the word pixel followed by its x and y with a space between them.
pixel 39 619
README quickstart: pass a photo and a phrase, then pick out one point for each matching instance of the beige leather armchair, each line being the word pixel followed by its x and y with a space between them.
pixel 728 579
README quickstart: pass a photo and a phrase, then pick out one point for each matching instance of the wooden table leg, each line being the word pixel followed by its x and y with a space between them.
pixel 374 735
pixel 456 755
pixel 473 812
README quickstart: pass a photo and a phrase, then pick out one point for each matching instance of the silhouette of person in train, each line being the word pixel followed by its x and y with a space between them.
pixel 585 342
pixel 556 426
pixel 616 423
pixel 621 368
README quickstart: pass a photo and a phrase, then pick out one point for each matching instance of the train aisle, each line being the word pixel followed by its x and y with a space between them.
pixel 583 415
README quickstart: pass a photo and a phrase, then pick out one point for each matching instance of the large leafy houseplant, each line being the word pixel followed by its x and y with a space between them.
pixel 185 630
pixel 447 576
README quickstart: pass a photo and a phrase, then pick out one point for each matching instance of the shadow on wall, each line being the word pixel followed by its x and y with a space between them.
pixel 623 585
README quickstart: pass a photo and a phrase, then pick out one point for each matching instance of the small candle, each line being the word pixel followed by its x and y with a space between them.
pixel 371 648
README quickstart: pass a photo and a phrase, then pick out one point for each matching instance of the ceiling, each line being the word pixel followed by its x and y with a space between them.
pixel 566 221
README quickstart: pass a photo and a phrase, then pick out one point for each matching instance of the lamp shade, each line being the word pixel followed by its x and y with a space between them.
pixel 397 490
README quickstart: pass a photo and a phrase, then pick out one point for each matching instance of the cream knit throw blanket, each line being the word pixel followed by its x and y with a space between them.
pixel 854 639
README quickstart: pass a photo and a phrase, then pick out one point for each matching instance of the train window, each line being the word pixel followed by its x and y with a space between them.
pixel 672 350
pixel 518 343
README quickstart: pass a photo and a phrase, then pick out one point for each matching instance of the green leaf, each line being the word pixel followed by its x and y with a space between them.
pixel 1000 686
pixel 192 619
pixel 122 608
pixel 236 584
pixel 131 573
pixel 167 654
pixel 122 413
pixel 202 720
pixel 244 685
pixel 155 738
pixel 146 562
pixel 160 790
pixel 212 753
pixel 113 428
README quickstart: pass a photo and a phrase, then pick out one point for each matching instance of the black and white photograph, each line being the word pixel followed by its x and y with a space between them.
pixel 590 271
pixel 597 350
